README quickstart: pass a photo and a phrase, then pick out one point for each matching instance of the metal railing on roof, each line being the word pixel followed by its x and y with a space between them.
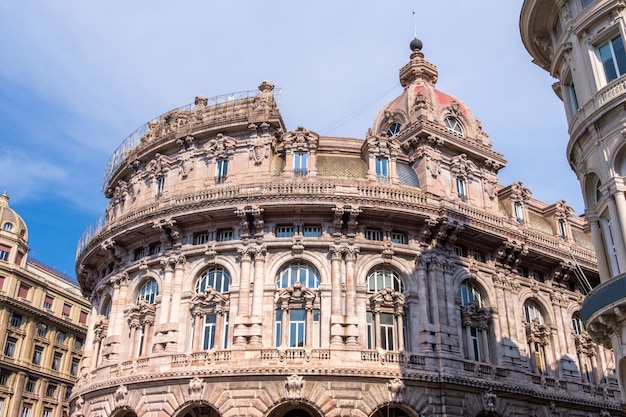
pixel 134 139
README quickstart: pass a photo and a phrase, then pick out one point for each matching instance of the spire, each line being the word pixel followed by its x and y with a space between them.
pixel 418 70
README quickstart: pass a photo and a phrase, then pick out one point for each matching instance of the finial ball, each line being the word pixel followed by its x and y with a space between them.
pixel 416 45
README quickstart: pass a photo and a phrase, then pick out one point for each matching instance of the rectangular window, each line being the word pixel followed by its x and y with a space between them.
pixel 31 384
pixel 26 410
pixel 141 336
pixel 284 231
pixel 78 343
pixel 74 367
pixel 300 164
pixel 387 336
pixel 613 58
pixel 572 98
pixel 478 256
pixel 225 235
pixel 4 254
pixel 4 378
pixel 1 282
pixel 67 310
pixel 382 170
pixel 297 320
pixel 9 346
pixel 160 186
pixel 16 320
pixel 221 169
pixel 82 318
pixel 37 355
pixel 42 330
pixel 397 237
pixel 562 229
pixel 461 189
pixel 47 302
pixel 371 342
pixel 519 212
pixel 201 239
pixel 155 249
pixel 61 336
pixel 371 234
pixel 47 412
pixel 458 251
pixel 56 361
pixel 23 291
pixel 139 253
pixel 278 329
pixel 209 331
pixel 475 344
pixel 312 231
pixel 51 390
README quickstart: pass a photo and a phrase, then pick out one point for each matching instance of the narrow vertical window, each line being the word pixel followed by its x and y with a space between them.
pixel 562 229
pixel 382 169
pixel 300 164
pixel 461 189
pixel 221 170
pixel 160 186
pixel 519 212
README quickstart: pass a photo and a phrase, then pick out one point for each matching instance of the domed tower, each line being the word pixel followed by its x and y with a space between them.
pixel 248 269
pixel 581 44
pixel 13 234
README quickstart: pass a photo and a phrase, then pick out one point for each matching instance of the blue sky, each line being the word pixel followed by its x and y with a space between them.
pixel 78 77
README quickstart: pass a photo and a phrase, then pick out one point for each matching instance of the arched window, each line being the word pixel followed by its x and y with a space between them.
pixel 453 125
pixel 384 278
pixel 297 321
pixel 477 323
pixel 385 318
pixel 538 337
pixel 209 309
pixel 217 278
pixel 393 129
pixel 468 292
pixel 106 307
pixel 148 292
pixel 7 226
pixel 303 273
pixel 577 324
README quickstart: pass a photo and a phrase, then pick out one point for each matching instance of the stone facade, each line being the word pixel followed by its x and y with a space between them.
pixel 43 325
pixel 248 269
pixel 580 43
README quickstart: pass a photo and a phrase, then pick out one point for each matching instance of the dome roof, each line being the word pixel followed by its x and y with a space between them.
pixel 420 100
pixel 10 221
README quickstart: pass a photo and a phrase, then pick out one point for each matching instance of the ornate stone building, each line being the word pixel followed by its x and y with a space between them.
pixel 581 44
pixel 43 324
pixel 248 269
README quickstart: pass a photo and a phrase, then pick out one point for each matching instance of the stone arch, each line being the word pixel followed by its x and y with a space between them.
pixel 371 262
pixel 461 275
pixel 123 412
pixel 298 408
pixel 198 267
pixel 137 280
pixel 394 409
pixel 541 302
pixel 590 189
pixel 317 260
pixel 619 161
pixel 199 408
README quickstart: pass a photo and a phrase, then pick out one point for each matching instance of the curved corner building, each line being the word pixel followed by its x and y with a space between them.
pixel 581 44
pixel 245 268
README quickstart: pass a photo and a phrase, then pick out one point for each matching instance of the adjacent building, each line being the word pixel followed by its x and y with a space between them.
pixel 43 325
pixel 581 44
pixel 246 268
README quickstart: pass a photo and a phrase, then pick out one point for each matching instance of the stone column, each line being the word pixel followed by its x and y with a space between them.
pixel 617 237
pixel 198 334
pixel 351 252
pixel 177 289
pixel 399 325
pixel 168 278
pixel 244 289
pixel 484 334
pixel 598 243
pixel 148 329
pixel 620 204
pixel 120 301
pixel 284 326
pixel 219 329
pixel 308 337
pixel 335 271
pixel 88 351
pixel 259 282
pixel 18 389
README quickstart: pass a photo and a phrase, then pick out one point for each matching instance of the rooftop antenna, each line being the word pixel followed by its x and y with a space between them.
pixel 414 30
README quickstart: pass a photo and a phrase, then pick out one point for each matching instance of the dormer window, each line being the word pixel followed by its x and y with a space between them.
pixel 519 212
pixel 453 125
pixel 393 129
